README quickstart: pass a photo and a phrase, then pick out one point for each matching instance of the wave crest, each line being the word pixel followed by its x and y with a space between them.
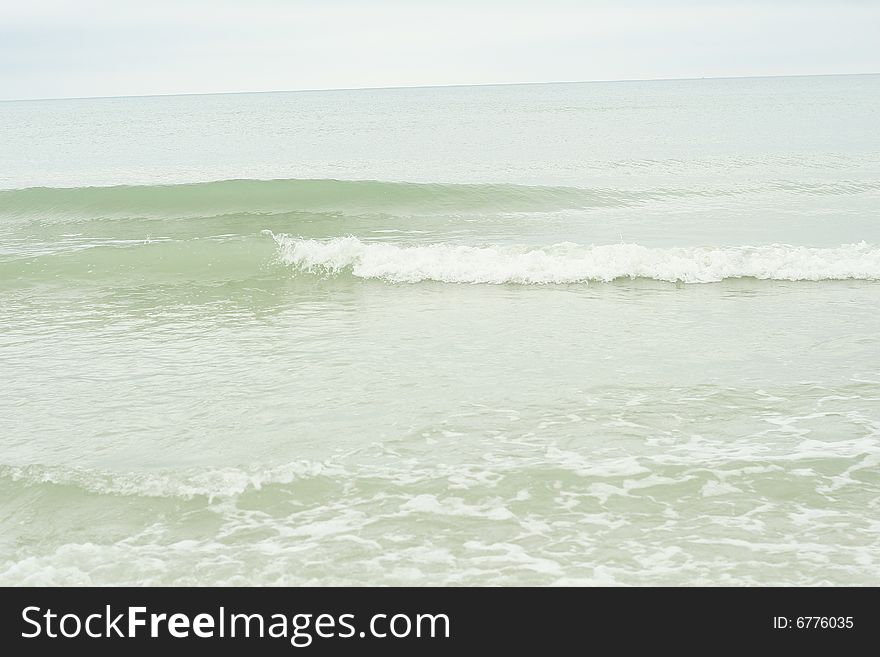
pixel 575 263
pixel 346 197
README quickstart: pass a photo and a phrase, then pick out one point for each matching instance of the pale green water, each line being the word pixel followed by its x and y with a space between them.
pixel 619 333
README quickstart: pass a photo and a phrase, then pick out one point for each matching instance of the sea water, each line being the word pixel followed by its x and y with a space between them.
pixel 604 333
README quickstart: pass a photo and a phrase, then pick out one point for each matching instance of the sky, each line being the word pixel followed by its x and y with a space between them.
pixel 83 48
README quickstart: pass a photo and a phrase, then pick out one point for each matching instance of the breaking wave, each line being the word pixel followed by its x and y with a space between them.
pixel 575 263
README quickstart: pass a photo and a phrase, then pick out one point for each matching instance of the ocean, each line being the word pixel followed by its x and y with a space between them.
pixel 598 333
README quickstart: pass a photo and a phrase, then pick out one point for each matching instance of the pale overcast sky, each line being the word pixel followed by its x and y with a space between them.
pixel 55 48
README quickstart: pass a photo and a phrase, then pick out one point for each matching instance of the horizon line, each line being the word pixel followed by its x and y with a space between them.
pixel 433 86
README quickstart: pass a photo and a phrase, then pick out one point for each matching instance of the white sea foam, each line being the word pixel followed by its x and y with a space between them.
pixel 574 263
pixel 207 482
